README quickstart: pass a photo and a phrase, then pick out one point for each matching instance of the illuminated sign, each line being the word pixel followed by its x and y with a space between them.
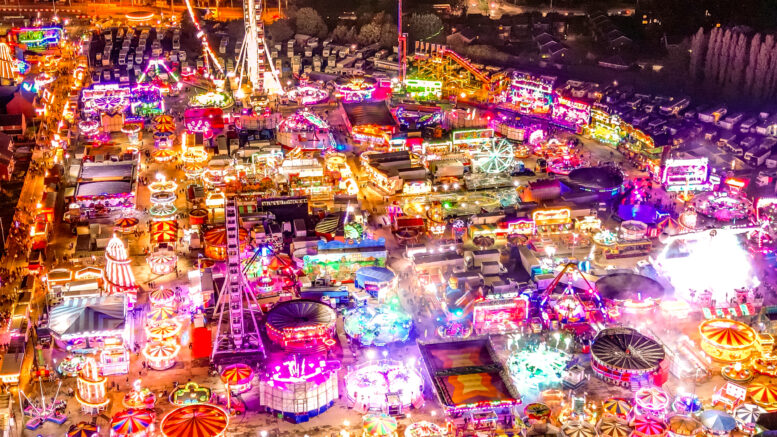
pixel 473 135
pixel 522 226
pixel 38 37
pixel 553 216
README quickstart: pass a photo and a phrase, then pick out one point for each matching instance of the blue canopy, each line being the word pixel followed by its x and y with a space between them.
pixel 717 421
pixel 373 274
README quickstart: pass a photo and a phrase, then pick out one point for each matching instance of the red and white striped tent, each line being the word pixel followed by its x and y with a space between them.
pixel 118 273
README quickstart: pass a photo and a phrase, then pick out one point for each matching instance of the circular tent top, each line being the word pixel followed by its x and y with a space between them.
pixel 627 350
pixel 596 178
pixel 300 313
pixel 624 286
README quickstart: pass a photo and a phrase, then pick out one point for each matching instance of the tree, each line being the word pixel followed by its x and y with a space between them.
pixel 342 34
pixel 425 27
pixel 737 69
pixel 723 57
pixel 762 66
pixel 369 33
pixel 280 30
pixel 755 46
pixel 388 35
pixel 310 23
pixel 697 51
pixel 711 60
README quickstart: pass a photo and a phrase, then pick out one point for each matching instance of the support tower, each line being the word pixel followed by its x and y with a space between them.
pixel 241 337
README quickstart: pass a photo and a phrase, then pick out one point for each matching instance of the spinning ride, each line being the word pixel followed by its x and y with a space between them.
pixel 307 95
pixel 623 356
pixel 493 157
pixel 302 325
pixel 377 326
pixel 370 385
pixel 200 420
pixel 726 340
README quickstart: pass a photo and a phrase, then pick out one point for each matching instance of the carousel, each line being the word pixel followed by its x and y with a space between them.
pixel 126 225
pixel 307 95
pixel 379 425
pixel 305 130
pixel 722 206
pixel 199 420
pixel 424 429
pixel 133 423
pixel 164 331
pixel 763 394
pixel 162 262
pixel 161 297
pixel 651 402
pixel 726 340
pixel 160 313
pixel 237 377
pixel 354 89
pixel 139 398
pixel 161 355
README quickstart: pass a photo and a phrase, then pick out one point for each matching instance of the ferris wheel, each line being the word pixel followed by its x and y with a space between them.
pixel 494 157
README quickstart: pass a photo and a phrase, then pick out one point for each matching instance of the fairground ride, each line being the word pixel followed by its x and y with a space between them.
pixel 458 75
pixel 254 53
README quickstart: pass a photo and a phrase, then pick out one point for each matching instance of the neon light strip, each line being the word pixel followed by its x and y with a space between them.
pixel 203 37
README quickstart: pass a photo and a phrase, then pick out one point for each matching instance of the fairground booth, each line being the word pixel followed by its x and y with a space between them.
pixel 474 389
pixel 371 123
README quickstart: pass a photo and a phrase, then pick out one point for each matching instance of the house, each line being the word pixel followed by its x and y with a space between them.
pixel 13 124
pixel 554 51
pixel 543 39
pixel 616 39
pixel 7 161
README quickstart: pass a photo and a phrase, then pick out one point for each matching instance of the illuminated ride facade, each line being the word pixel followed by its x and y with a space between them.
pixel 91 385
pixel 531 94
pixel 300 387
pixel 458 77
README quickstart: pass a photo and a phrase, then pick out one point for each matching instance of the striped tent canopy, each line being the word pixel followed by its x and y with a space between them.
pixel 763 394
pixel 103 315
pixel 683 425
pixel 200 420
pixel 164 231
pixel 617 407
pixel 727 333
pixel 611 426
